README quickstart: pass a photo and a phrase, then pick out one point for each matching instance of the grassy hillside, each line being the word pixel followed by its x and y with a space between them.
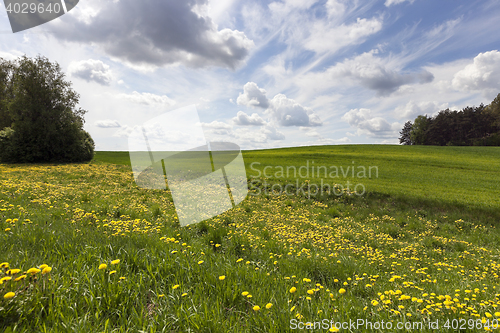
pixel 83 249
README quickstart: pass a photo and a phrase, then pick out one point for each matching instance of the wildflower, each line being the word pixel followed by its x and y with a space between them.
pixel 269 305
pixel 200 262
pixel 310 291
pixel 222 277
pixel 244 293
pixel 162 295
pixel 293 289
pixel 374 303
pixel 256 308
pixel 239 260
pixel 47 270
pixel 341 290
pixel 112 272
pixel 13 271
pixel 9 295
pixel 4 265
pixel 115 262
pixel 293 308
pixel 7 229
pixel 43 266
pixel 175 287
pixel 6 278
pixel 122 277
pixel 20 278
pixel 333 329
pixel 33 271
pixel 103 266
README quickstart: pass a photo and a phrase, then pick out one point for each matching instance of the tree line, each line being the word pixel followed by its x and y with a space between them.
pixel 39 120
pixel 471 126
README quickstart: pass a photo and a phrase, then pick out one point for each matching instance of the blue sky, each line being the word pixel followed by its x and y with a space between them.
pixel 271 74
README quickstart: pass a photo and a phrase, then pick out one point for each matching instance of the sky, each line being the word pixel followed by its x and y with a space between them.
pixel 266 74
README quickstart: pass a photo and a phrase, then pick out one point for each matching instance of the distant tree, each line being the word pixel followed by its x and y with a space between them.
pixel 493 110
pixel 45 124
pixel 418 134
pixel 405 133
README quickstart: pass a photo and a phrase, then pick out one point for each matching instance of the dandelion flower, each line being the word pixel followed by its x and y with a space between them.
pixel 341 290
pixel 112 272
pixel 115 262
pixel 293 289
pixel 269 305
pixel 222 277
pixel 175 287
pixel 20 278
pixel 333 329
pixel 374 303
pixel 33 271
pixel 239 260
pixel 244 293
pixel 43 266
pixel 122 277
pixel 256 308
pixel 184 294
pixel 7 278
pixel 7 229
pixel 103 266
pixel 200 262
pixel 4 265
pixel 310 291
pixel 9 295
pixel 47 270
pixel 13 271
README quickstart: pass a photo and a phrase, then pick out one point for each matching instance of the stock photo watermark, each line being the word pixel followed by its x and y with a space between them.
pixel 27 14
pixel 328 179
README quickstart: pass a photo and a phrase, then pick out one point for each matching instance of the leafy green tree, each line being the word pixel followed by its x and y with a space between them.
pixel 47 126
pixel 419 130
pixel 405 133
pixel 6 72
pixel 493 110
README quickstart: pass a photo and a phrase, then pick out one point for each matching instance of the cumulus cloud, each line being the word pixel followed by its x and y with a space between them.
pixel 107 123
pixel 287 112
pixel 373 73
pixel 395 2
pixel 413 109
pixel 147 99
pixel 482 75
pixel 253 96
pixel 282 110
pixel 154 32
pixel 243 119
pixel 372 126
pixel 91 70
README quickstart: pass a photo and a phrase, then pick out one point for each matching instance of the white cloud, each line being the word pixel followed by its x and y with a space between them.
pixel 372 126
pixel 395 2
pixel 413 109
pixel 147 99
pixel 107 123
pixel 155 33
pixel 91 70
pixel 253 96
pixel 376 73
pixel 8 56
pixel 287 112
pixel 243 119
pixel 482 75
pixel 326 36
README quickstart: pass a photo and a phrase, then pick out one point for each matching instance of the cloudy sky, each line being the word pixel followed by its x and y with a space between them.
pixel 270 74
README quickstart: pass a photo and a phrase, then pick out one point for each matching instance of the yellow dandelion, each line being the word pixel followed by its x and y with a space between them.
pixel 13 271
pixel 341 291
pixel 103 266
pixel 374 303
pixel 333 329
pixel 175 287
pixel 115 262
pixel 20 278
pixel 244 293
pixel 43 266
pixel 4 265
pixel 310 291
pixel 184 294
pixel 46 270
pixel 200 262
pixel 269 305
pixel 9 295
pixel 239 260
pixel 222 277
pixel 33 271
pixel 293 289
pixel 256 308
pixel 112 272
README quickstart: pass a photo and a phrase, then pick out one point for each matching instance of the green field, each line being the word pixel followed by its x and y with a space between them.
pixel 420 245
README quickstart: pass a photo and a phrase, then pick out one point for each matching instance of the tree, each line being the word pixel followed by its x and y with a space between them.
pixel 47 126
pixel 493 110
pixel 419 130
pixel 405 137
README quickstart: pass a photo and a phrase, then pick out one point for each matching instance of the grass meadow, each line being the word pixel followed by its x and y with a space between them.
pixel 83 249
